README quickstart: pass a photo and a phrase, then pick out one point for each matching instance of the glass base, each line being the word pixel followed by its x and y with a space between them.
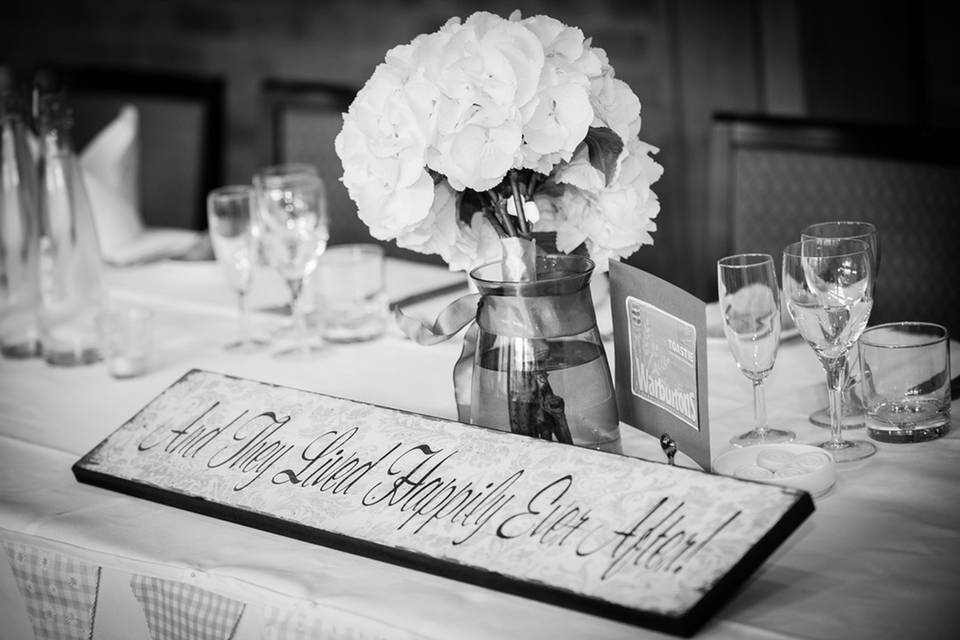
pixel 936 426
pixel 283 331
pixel 299 352
pixel 20 350
pixel 250 345
pixel 848 450
pixel 72 357
pixel 767 436
pixel 902 436
pixel 600 443
pixel 850 418
pixel 912 419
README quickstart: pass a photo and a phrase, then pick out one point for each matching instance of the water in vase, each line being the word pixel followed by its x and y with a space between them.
pixel 576 371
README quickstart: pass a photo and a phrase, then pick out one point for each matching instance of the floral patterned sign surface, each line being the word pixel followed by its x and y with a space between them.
pixel 638 541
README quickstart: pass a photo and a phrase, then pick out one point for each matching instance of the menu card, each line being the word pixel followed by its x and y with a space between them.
pixel 610 535
pixel 660 351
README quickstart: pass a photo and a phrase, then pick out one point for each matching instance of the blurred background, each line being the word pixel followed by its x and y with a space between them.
pixel 890 62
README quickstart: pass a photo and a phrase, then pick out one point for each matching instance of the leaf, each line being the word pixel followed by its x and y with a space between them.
pixel 550 189
pixel 604 147
pixel 468 203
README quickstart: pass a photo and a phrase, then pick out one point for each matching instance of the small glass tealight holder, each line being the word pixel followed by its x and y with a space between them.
pixel 349 292
pixel 126 340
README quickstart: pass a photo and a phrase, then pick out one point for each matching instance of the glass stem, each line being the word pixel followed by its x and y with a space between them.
pixel 851 402
pixel 759 407
pixel 299 318
pixel 243 318
pixel 836 374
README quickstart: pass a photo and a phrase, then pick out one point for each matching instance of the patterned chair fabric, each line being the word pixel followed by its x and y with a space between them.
pixel 771 178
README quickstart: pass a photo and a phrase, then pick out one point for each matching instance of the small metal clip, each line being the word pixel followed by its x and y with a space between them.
pixel 669 447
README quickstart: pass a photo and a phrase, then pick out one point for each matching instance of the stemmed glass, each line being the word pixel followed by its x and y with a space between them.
pixel 229 219
pixel 851 408
pixel 750 307
pixel 293 235
pixel 285 169
pixel 828 286
pixel 266 176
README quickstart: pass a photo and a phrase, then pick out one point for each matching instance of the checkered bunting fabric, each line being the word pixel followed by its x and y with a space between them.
pixel 60 592
pixel 175 610
pixel 280 624
pixel 298 624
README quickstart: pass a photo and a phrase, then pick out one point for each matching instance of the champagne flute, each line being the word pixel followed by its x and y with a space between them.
pixel 852 413
pixel 294 231
pixel 750 308
pixel 828 287
pixel 229 219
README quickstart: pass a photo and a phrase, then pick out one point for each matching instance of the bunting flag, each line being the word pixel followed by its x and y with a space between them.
pixel 298 624
pixel 60 592
pixel 280 624
pixel 175 610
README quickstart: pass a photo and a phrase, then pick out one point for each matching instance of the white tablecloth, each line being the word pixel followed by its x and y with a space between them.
pixel 880 557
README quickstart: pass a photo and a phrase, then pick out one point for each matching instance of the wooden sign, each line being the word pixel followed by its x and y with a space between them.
pixel 620 537
pixel 660 347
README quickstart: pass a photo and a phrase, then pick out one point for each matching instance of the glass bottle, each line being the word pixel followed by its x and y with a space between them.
pixel 71 271
pixel 540 367
pixel 19 218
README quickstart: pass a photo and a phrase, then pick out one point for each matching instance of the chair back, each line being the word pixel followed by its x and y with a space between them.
pixel 181 120
pixel 771 177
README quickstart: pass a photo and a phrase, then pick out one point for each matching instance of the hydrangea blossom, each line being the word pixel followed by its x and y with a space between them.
pixel 458 123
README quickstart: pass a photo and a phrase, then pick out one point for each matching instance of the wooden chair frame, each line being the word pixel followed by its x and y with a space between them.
pixel 281 95
pixel 207 91
pixel 735 132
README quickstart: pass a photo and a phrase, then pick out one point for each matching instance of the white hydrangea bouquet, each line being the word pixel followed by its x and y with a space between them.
pixel 496 128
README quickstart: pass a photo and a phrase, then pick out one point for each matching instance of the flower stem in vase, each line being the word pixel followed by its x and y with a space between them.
pixel 522 396
pixel 518 204
pixel 500 211
pixel 495 223
pixel 553 413
pixel 534 408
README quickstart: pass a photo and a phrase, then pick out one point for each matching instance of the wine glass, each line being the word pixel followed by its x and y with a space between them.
pixel 750 308
pixel 276 174
pixel 851 408
pixel 828 287
pixel 293 229
pixel 229 219
pixel 284 169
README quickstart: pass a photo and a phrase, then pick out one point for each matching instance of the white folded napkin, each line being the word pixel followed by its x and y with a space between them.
pixel 111 171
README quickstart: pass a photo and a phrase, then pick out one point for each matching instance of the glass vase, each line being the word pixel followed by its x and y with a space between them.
pixel 19 243
pixel 71 278
pixel 540 368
